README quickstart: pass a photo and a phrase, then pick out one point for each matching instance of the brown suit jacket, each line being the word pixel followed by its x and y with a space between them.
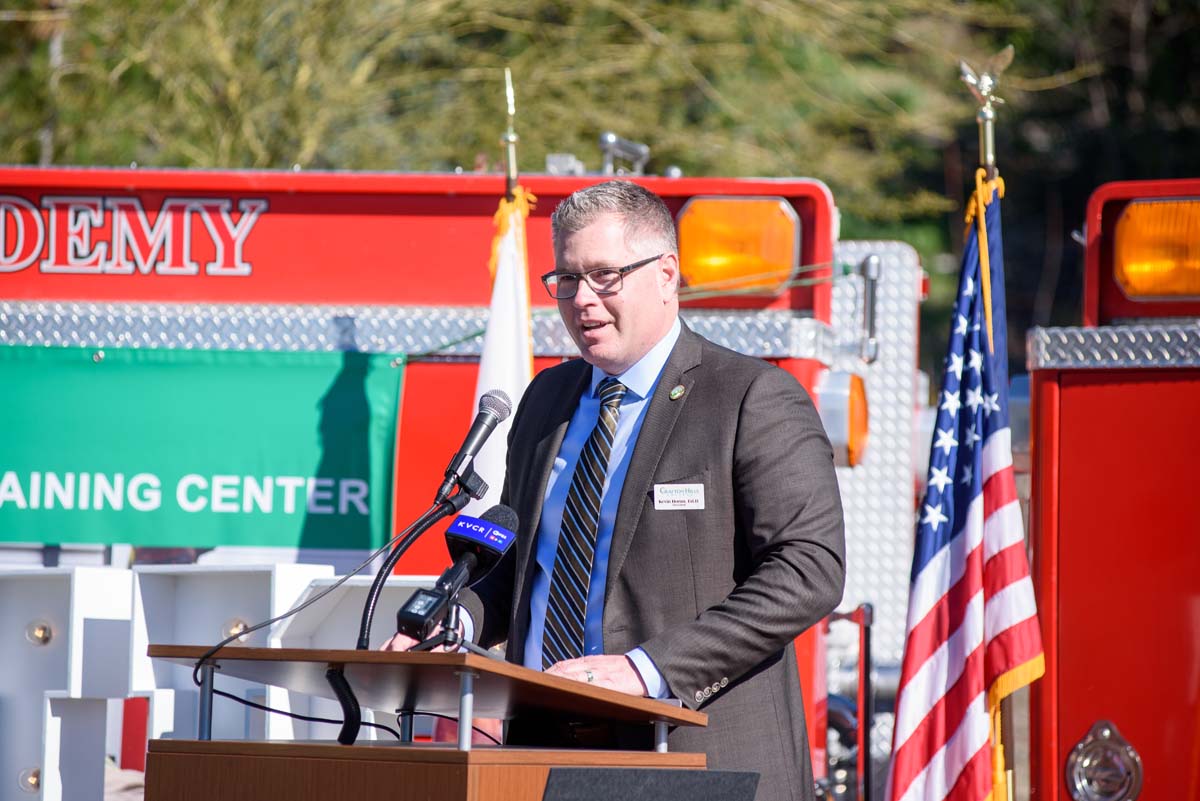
pixel 714 596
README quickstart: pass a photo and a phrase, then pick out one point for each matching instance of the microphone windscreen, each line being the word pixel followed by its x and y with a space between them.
pixel 502 516
pixel 488 537
pixel 498 403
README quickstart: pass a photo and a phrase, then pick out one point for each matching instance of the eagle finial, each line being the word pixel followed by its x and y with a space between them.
pixel 982 84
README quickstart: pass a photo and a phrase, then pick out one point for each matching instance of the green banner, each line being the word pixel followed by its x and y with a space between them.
pixel 179 448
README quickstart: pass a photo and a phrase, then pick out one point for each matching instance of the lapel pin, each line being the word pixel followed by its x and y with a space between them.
pixel 676 392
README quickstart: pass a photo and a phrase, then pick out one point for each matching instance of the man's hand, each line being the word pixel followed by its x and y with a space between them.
pixel 613 672
pixel 398 642
pixel 402 642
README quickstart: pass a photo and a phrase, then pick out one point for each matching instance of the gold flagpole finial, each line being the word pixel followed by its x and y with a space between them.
pixel 983 86
pixel 510 138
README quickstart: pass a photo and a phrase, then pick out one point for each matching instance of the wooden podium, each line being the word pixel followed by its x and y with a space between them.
pixel 462 685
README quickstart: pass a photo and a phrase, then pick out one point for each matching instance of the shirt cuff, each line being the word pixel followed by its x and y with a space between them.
pixel 656 685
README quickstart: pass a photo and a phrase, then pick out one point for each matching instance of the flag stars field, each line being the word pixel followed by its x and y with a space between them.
pixel 991 403
pixel 946 440
pixel 939 477
pixel 974 398
pixel 972 434
pixel 956 365
pixel 934 517
pixel 951 402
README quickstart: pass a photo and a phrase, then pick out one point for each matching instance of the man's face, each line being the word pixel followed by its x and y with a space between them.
pixel 613 332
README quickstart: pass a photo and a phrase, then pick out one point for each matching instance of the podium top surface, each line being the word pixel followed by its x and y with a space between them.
pixel 429 682
pixel 434 753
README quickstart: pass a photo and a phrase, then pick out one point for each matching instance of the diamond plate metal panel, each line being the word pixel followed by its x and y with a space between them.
pixel 449 331
pixel 881 735
pixel 878 495
pixel 442 331
pixel 767 335
pixel 1120 346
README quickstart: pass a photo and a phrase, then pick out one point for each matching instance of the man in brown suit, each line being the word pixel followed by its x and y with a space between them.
pixel 678 529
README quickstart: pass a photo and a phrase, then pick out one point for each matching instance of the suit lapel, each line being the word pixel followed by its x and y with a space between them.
pixel 555 410
pixel 656 430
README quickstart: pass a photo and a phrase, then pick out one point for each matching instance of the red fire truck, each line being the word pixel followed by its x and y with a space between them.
pixel 1115 508
pixel 223 260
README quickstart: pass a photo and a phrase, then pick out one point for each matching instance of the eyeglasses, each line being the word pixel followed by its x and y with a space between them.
pixel 604 281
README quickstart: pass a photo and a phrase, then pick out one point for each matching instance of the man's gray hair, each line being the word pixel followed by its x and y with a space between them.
pixel 647 220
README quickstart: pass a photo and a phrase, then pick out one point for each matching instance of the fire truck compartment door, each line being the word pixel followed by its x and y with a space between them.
pixel 1128 601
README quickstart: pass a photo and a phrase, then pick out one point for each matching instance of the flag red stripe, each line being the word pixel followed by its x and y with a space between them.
pixel 944 618
pixel 1004 568
pixel 1014 646
pixel 910 758
pixel 999 490
pixel 975 781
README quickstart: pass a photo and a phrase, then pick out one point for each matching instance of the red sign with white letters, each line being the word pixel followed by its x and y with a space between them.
pixel 307 238
pixel 115 235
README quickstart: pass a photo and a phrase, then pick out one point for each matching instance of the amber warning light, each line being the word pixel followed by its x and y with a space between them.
pixel 1156 249
pixel 737 246
pixel 842 403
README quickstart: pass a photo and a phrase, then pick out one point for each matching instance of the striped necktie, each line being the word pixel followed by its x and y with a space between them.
pixel 567 605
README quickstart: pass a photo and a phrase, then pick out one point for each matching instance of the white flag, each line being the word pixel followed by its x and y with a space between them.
pixel 506 362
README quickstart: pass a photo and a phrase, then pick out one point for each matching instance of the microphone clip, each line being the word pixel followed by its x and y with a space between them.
pixel 473 485
pixel 469 482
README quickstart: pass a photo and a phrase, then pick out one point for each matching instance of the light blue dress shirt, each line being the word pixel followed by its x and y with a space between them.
pixel 640 381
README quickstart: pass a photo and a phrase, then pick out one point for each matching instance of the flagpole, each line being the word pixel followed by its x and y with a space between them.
pixel 506 357
pixel 510 138
pixel 970 572
pixel 983 87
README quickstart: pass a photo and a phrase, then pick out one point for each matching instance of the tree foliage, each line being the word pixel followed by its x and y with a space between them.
pixel 858 93
pixel 863 94
pixel 1106 90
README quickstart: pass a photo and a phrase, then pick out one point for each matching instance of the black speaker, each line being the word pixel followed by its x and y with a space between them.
pixel 649 784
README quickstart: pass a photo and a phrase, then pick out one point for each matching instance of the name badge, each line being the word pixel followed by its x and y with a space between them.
pixel 678 496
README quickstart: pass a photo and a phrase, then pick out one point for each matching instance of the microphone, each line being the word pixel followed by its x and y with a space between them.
pixel 494 408
pixel 479 543
pixel 476 545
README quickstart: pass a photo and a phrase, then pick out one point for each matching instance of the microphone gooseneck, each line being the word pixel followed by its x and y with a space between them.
pixel 431 516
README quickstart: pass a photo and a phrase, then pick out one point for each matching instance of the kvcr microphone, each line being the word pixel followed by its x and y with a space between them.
pixel 494 408
pixel 481 541
pixel 476 545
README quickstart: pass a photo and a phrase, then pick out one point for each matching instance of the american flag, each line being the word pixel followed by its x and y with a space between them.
pixel 972 632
